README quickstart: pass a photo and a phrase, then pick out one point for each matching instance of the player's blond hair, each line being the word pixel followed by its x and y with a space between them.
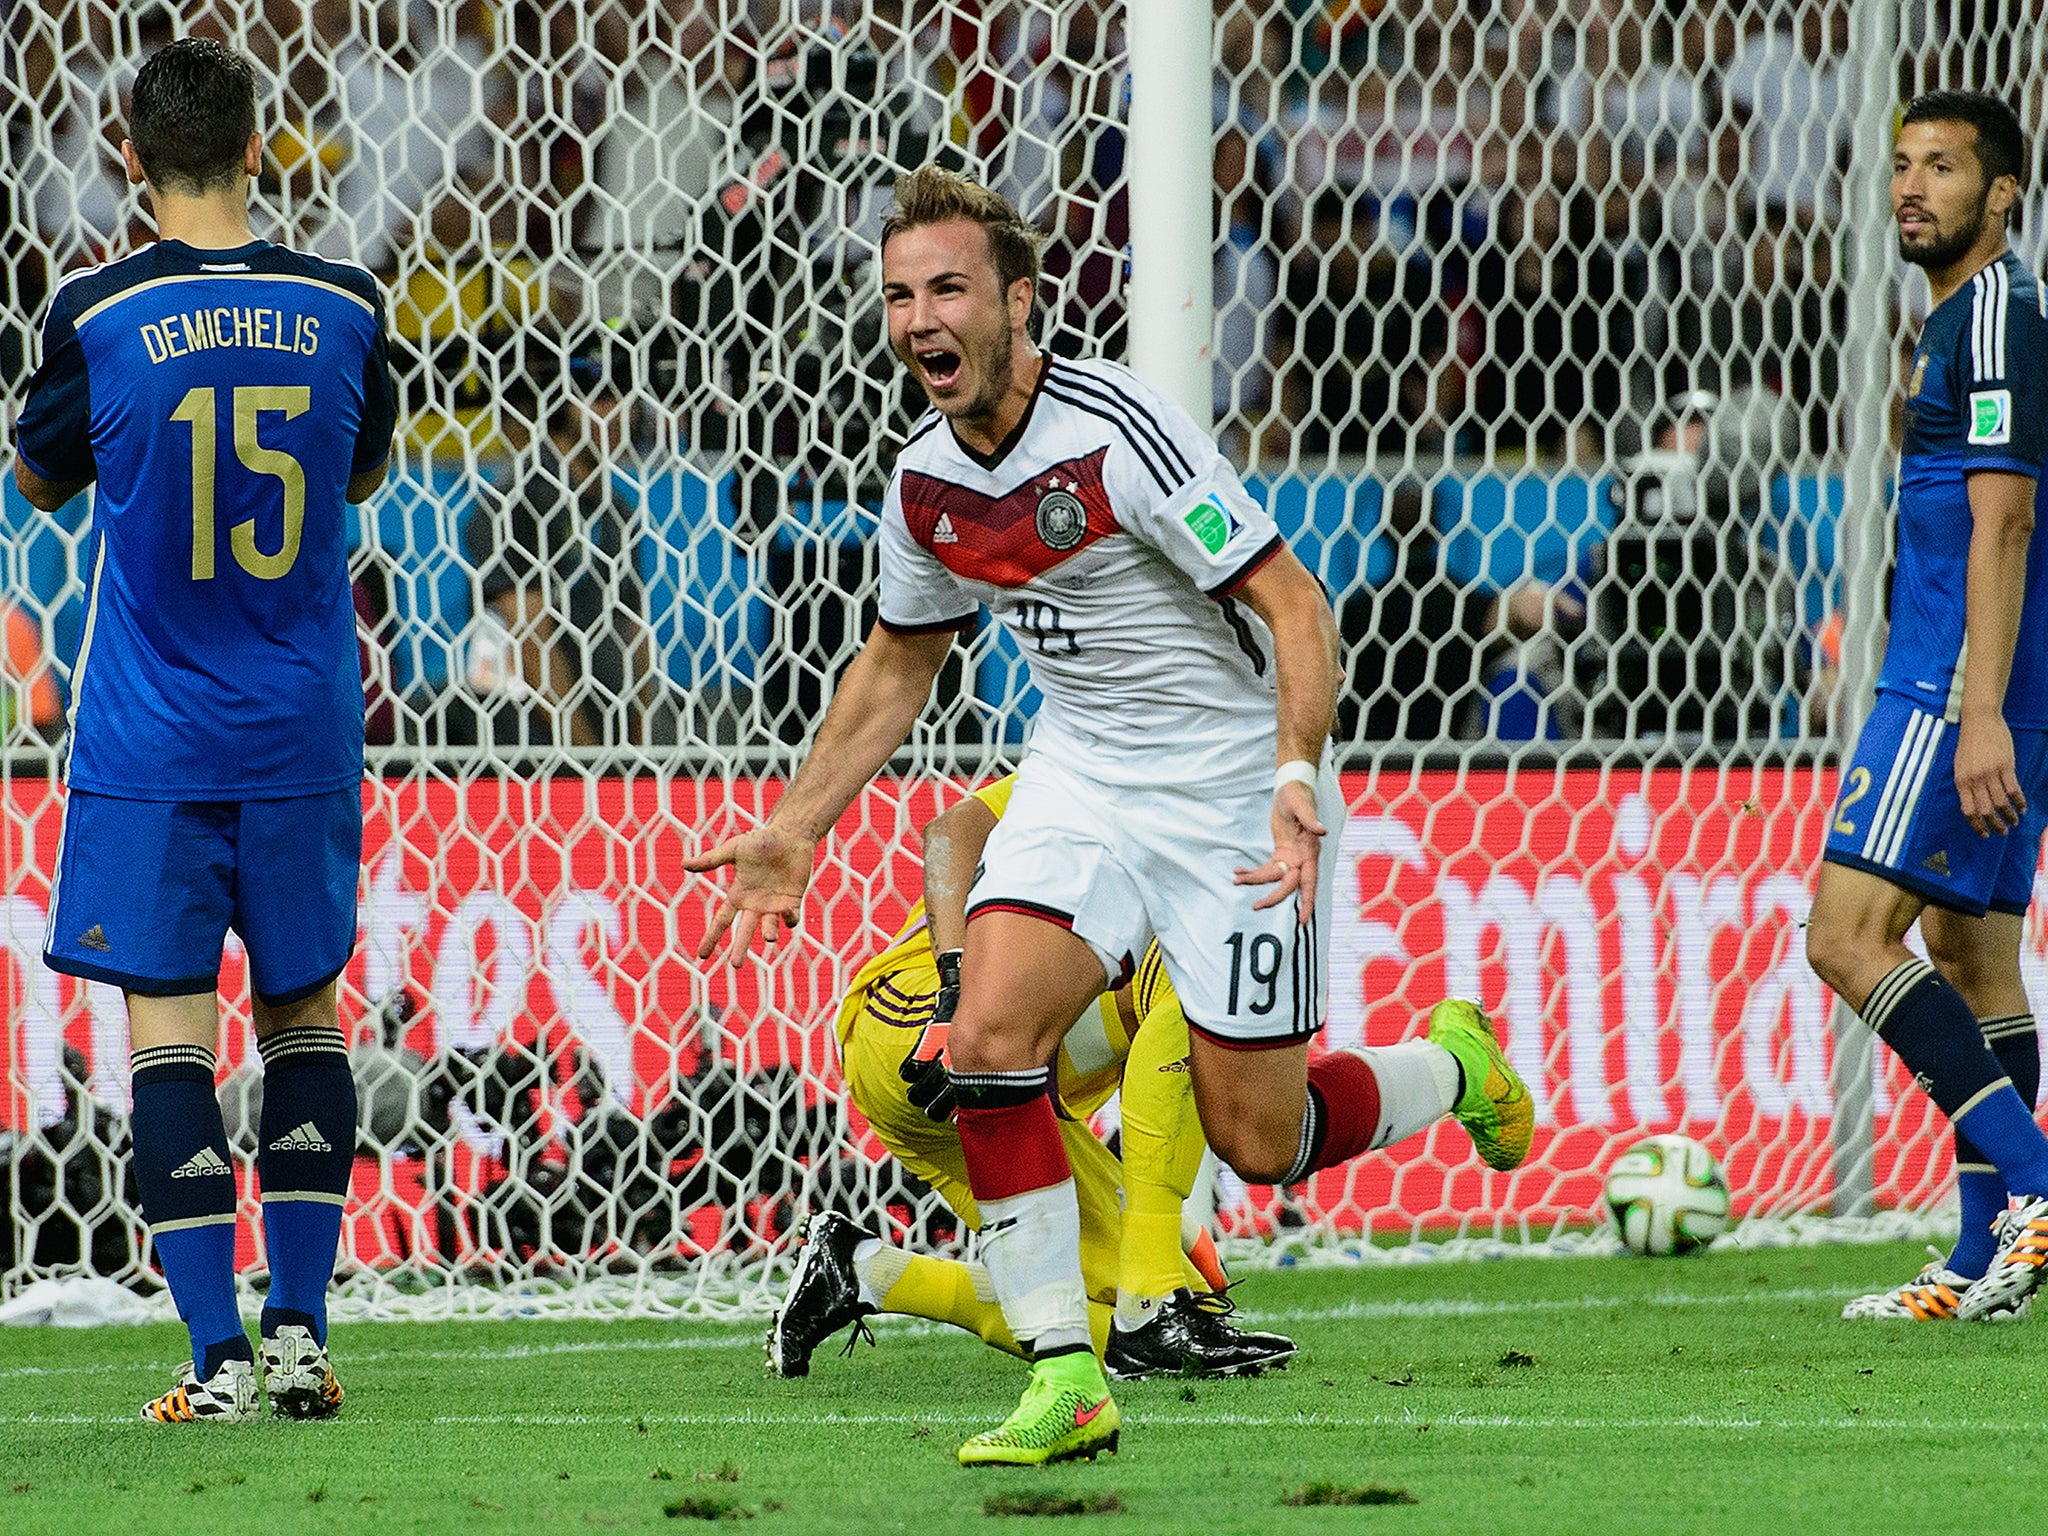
pixel 931 194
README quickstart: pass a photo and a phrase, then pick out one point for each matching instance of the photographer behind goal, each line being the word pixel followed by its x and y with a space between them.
pixel 1681 623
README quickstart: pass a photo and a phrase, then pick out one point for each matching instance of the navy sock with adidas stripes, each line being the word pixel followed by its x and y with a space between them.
pixel 1925 1020
pixel 305 1154
pixel 186 1177
pixel 1980 1190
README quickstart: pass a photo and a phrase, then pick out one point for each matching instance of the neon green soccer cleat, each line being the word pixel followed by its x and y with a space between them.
pixel 1067 1415
pixel 1496 1108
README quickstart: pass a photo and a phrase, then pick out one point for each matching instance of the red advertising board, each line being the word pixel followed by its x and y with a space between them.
pixel 1638 933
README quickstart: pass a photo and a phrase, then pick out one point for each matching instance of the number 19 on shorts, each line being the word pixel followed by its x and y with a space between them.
pixel 1254 971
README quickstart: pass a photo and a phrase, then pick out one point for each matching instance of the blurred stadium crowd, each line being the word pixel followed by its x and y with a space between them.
pixel 1468 253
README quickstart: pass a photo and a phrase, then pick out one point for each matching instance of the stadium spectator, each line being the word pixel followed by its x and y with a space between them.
pixel 1358 331
pixel 1415 644
pixel 658 156
pixel 418 107
pixel 1785 89
pixel 1249 167
pixel 1785 93
pixel 564 656
pixel 1681 621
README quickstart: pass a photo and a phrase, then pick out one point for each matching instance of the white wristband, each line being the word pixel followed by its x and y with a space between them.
pixel 1300 771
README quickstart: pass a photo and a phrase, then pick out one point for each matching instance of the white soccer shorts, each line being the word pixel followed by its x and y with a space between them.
pixel 1120 867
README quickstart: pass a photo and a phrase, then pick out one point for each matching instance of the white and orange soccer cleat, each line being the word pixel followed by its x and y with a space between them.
pixel 229 1396
pixel 2016 1268
pixel 1931 1296
pixel 298 1375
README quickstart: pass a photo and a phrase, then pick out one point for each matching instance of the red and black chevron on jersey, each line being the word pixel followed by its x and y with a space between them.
pixel 1007 540
pixel 1102 535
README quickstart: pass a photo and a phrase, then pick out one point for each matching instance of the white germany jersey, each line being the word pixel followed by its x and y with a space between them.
pixel 1107 534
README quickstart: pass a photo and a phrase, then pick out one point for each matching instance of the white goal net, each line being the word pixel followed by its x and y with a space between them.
pixel 1561 337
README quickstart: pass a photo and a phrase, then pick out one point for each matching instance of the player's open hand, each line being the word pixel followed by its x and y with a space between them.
pixel 1987 776
pixel 1298 834
pixel 771 871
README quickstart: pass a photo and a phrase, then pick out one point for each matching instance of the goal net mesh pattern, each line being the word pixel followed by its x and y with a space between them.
pixel 1531 323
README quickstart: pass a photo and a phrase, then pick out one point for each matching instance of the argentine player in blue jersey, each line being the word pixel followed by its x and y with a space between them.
pixel 225 396
pixel 1942 806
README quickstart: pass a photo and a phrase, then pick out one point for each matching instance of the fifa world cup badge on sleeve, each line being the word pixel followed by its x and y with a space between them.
pixel 1990 417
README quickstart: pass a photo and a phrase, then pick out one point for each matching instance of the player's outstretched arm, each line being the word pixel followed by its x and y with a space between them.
pixel 1296 610
pixel 877 702
pixel 2002 526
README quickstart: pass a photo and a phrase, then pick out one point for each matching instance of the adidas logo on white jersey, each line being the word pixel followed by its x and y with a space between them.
pixel 942 532
pixel 305 1137
pixel 200 1165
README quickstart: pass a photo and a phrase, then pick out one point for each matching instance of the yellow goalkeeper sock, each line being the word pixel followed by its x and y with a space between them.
pixel 1150 1263
pixel 941 1290
pixel 1162 1155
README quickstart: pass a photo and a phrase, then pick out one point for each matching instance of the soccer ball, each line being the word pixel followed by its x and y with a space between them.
pixel 1666 1195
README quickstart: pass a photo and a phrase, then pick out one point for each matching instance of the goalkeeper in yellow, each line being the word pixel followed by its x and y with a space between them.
pixel 1154 1283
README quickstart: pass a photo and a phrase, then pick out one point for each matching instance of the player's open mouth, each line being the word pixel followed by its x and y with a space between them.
pixel 941 368
pixel 1913 222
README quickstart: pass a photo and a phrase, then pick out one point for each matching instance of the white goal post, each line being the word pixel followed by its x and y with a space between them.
pixel 1562 338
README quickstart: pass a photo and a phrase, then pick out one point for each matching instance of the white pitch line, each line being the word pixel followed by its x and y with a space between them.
pixel 1416 1422
pixel 1350 1311
pixel 1450 1306
pixel 751 1339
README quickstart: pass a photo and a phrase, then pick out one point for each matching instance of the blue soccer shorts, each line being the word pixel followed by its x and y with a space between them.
pixel 146 891
pixel 1900 817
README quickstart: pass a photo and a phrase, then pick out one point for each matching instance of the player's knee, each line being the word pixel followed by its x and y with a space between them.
pixel 1830 950
pixel 985 1040
pixel 1258 1154
pixel 1842 940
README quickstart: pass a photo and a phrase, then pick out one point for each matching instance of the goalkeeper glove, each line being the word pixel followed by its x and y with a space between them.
pixel 925 1067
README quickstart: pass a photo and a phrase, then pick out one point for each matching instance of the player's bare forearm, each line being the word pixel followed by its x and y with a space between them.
pixel 45 495
pixel 2001 529
pixel 877 702
pixel 1306 647
pixel 1305 644
pixel 952 851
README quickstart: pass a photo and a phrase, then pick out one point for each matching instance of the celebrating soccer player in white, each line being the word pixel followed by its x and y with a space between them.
pixel 1182 652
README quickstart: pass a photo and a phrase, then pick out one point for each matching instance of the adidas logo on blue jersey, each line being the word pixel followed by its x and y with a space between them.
pixel 1938 862
pixel 304 1137
pixel 95 937
pixel 201 1164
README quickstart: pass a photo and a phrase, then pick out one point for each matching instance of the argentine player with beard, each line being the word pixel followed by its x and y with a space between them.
pixel 1942 807
pixel 226 396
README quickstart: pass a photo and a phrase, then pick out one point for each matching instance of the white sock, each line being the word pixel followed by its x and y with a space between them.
pixel 1133 1311
pixel 1031 1244
pixel 1418 1087
pixel 878 1267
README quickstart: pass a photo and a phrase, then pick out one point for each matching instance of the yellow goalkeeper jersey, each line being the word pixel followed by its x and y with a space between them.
pixel 899 986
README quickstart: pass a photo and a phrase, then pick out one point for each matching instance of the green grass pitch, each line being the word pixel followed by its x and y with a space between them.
pixel 1717 1393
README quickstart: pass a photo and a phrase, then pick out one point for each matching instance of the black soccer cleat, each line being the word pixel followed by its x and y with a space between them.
pixel 1192 1335
pixel 823 1296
